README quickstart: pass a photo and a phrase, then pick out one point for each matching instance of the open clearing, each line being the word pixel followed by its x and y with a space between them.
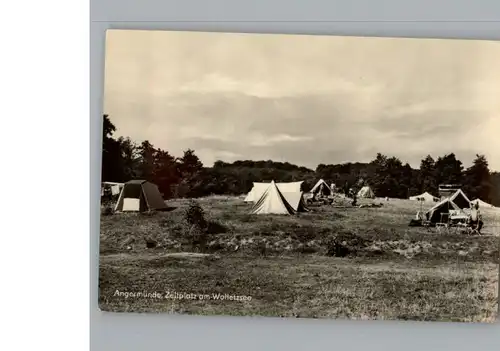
pixel 392 271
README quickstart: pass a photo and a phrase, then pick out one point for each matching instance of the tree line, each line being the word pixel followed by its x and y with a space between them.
pixel 186 176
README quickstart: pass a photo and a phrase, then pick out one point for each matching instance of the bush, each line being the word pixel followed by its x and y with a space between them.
pixel 304 234
pixel 343 244
pixel 215 228
pixel 336 248
pixel 195 216
pixel 197 224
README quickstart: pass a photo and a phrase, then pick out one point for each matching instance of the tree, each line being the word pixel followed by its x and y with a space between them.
pixel 427 177
pixel 112 166
pixel 219 164
pixel 146 161
pixel 495 181
pixel 130 158
pixel 449 170
pixel 190 170
pixel 478 180
pixel 380 175
pixel 391 178
pixel 165 171
pixel 409 182
pixel 189 164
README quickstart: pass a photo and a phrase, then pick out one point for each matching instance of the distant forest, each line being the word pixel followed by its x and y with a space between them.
pixel 186 176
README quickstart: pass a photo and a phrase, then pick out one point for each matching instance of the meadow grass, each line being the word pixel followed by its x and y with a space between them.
pixel 392 272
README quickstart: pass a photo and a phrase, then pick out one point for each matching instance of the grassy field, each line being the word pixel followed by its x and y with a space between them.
pixel 284 266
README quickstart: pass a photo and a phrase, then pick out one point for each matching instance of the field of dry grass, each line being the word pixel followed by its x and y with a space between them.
pixel 282 266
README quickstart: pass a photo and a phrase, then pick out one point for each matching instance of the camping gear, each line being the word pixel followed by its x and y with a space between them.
pixel 140 195
pixel 115 190
pixel 440 210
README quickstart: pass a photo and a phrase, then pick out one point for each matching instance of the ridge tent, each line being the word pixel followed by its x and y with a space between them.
pixel 443 207
pixel 460 199
pixel 259 188
pixel 322 188
pixel 140 195
pixel 296 200
pixel 366 192
pixel 424 197
pixel 273 201
pixel 482 203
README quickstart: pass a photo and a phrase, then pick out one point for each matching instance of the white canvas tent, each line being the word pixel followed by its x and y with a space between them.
pixel 259 188
pixel 296 200
pixel 424 197
pixel 322 188
pixel 460 199
pixel 140 195
pixel 482 204
pixel 366 192
pixel 435 214
pixel 274 201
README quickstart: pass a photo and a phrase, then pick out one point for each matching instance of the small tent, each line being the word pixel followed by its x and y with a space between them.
pixel 259 188
pixel 273 201
pixel 366 192
pixel 424 197
pixel 321 188
pixel 482 204
pixel 140 195
pixel 460 199
pixel 442 208
pixel 296 200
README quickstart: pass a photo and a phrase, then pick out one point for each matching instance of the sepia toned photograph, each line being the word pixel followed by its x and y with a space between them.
pixel 300 176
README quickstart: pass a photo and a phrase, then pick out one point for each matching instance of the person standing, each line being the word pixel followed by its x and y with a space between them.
pixel 476 218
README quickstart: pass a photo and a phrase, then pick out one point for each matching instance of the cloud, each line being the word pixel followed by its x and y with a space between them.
pixel 304 99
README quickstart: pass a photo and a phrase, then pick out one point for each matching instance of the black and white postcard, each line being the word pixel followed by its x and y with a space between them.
pixel 300 176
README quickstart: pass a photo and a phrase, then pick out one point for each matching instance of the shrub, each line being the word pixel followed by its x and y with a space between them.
pixel 261 248
pixel 197 224
pixel 336 248
pixel 304 234
pixel 195 216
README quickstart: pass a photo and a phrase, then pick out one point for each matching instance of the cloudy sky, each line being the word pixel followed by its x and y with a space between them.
pixel 304 99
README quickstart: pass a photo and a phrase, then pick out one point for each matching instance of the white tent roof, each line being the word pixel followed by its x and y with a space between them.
pixel 481 203
pixel 458 198
pixel 318 185
pixel 424 196
pixel 366 191
pixel 259 188
pixel 295 199
pixel 272 201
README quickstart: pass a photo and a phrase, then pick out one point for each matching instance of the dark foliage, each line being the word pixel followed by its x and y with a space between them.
pixel 187 177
